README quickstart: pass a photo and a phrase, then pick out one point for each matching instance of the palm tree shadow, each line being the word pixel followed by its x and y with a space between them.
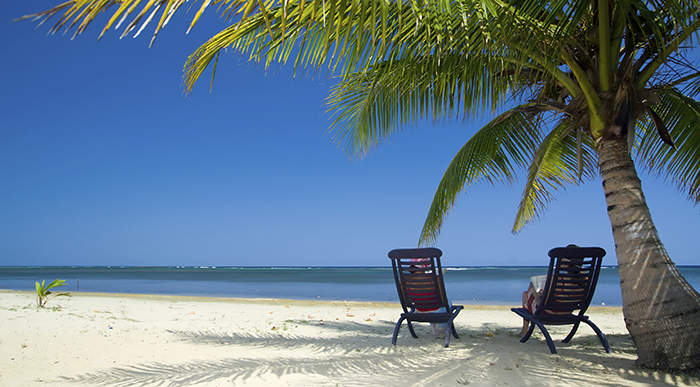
pixel 356 356
pixel 283 339
pixel 353 360
pixel 583 361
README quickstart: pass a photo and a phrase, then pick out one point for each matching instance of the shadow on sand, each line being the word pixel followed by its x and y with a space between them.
pixel 363 356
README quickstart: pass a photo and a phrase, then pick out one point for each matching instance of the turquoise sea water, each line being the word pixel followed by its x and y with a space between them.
pixel 471 285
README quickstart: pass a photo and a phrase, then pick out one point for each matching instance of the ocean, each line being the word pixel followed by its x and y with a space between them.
pixel 467 285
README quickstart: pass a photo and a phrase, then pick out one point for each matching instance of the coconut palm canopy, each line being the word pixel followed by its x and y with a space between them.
pixel 579 88
pixel 408 62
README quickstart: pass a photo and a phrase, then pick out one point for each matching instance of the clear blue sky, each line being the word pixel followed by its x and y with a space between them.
pixel 104 161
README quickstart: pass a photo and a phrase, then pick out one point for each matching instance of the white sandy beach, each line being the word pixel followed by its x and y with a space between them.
pixel 131 340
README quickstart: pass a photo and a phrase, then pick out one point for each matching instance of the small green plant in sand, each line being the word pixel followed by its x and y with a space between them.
pixel 44 293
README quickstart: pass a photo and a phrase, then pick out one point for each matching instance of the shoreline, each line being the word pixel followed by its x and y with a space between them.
pixel 165 297
pixel 188 298
pixel 110 339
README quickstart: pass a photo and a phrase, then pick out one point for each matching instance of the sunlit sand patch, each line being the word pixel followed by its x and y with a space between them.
pixel 120 340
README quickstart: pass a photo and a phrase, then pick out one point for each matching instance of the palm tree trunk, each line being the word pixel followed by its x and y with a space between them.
pixel 661 310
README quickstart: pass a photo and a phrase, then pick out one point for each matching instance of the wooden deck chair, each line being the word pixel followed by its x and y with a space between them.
pixel 571 280
pixel 418 276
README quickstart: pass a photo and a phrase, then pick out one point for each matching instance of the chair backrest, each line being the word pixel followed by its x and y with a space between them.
pixel 418 277
pixel 571 279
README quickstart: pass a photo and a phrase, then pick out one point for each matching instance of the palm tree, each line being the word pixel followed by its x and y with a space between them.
pixel 582 87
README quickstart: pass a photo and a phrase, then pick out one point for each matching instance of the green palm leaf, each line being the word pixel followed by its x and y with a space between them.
pixel 373 105
pixel 493 154
pixel 554 165
pixel 682 165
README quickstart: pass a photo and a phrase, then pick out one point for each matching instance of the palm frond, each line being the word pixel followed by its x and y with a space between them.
pixel 663 27
pixel 556 164
pixel 493 155
pixel 355 38
pixel 373 105
pixel 345 35
pixel 681 166
pixel 691 86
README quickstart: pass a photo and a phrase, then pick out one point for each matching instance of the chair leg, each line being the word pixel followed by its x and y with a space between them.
pixel 396 330
pixel 410 328
pixel 547 337
pixel 571 334
pixel 601 336
pixel 450 329
pixel 454 331
pixel 550 343
pixel 455 312
pixel 447 336
pixel 529 333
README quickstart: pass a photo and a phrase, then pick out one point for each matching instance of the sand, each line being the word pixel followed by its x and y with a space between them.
pixel 134 340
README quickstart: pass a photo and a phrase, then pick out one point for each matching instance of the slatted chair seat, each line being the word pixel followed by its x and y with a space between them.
pixel 418 277
pixel 571 280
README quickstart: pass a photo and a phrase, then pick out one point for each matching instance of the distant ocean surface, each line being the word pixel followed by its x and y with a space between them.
pixel 471 285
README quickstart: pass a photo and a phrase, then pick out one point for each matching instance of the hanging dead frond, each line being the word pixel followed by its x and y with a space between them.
pixel 661 129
